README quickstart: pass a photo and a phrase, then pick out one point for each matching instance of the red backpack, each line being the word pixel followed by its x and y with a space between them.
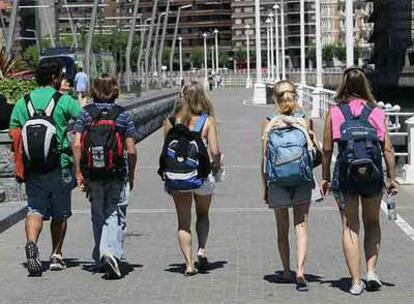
pixel 103 144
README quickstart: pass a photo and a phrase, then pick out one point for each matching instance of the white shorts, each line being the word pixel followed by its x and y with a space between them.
pixel 207 188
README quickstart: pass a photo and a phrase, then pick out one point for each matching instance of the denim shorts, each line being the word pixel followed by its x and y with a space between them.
pixel 348 188
pixel 49 195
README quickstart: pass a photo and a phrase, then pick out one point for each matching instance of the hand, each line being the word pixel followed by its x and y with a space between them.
pixel 131 184
pixel 325 187
pixel 80 181
pixel 392 188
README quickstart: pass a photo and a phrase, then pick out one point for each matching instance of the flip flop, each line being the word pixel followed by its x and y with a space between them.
pixel 190 273
pixel 301 285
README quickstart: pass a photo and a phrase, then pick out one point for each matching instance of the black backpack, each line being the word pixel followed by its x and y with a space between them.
pixel 184 160
pixel 103 144
pixel 40 145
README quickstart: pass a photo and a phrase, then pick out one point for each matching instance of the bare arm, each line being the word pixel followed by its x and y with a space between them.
pixel 262 161
pixel 327 151
pixel 166 127
pixel 213 144
pixel 389 157
pixel 77 150
pixel 132 160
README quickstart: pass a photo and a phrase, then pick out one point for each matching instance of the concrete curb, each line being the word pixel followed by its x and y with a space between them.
pixel 11 213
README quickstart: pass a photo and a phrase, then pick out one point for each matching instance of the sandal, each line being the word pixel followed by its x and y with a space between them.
pixel 301 284
pixel 190 273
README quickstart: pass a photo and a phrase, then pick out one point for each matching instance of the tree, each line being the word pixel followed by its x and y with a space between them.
pixel 196 57
pixel 12 67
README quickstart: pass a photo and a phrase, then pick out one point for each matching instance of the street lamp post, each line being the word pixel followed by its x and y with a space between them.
pixel 154 50
pixel 276 7
pixel 149 41
pixel 213 71
pixel 205 61
pixel 282 25
pixel 349 22
pixel 272 49
pixel 318 39
pixel 164 31
pixel 177 21
pixel 248 81
pixel 141 49
pixel 259 94
pixel 217 56
pixel 302 52
pixel 268 48
pixel 180 50
pixel 129 46
pixel 88 48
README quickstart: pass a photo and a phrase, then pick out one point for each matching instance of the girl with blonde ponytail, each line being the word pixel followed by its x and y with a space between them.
pixel 280 198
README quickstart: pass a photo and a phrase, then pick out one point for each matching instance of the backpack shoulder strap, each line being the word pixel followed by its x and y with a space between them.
pixel 172 120
pixel 346 111
pixel 116 111
pixel 50 109
pixel 200 122
pixel 29 105
pixel 366 112
pixel 93 111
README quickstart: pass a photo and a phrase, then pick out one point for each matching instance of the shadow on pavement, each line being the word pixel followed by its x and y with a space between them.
pixel 277 278
pixel 345 283
pixel 180 268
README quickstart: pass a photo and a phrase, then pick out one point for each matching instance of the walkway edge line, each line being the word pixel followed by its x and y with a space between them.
pixel 12 219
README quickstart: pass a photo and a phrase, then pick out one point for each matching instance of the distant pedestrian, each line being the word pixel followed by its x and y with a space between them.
pixel 190 137
pixel 287 175
pixel 105 159
pixel 211 82
pixel 81 86
pixel 43 116
pixel 358 126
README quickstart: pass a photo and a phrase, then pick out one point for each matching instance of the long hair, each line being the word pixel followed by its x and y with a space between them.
pixel 285 96
pixel 195 102
pixel 355 84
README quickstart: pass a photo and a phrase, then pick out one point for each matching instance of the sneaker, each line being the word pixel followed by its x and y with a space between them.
pixel 357 289
pixel 111 266
pixel 57 263
pixel 373 281
pixel 34 265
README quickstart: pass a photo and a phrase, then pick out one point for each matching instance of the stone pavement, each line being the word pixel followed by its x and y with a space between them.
pixel 241 247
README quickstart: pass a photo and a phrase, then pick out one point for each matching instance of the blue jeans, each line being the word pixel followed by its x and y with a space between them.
pixel 109 201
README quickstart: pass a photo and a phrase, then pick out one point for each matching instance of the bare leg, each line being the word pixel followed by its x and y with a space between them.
pixel 282 223
pixel 202 203
pixel 372 230
pixel 350 238
pixel 183 203
pixel 33 227
pixel 300 214
pixel 58 232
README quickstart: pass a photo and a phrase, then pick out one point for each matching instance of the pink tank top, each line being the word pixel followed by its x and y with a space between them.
pixel 376 118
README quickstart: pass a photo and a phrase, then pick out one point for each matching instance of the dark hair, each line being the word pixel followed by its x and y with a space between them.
pixel 355 84
pixel 80 69
pixel 104 89
pixel 46 71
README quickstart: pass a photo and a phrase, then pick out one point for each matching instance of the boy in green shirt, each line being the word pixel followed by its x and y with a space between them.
pixel 48 194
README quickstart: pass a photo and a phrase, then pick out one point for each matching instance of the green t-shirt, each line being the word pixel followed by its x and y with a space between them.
pixel 67 109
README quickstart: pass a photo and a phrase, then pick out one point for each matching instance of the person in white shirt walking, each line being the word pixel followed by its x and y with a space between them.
pixel 81 86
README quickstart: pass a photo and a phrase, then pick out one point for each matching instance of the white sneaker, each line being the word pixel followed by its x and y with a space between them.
pixel 373 281
pixel 56 262
pixel 357 289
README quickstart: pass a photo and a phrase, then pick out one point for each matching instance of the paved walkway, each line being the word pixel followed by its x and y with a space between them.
pixel 242 243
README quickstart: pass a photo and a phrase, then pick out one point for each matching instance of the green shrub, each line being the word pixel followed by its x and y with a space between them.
pixel 13 88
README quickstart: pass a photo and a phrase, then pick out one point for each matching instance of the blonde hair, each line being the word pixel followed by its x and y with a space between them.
pixel 195 102
pixel 355 84
pixel 285 95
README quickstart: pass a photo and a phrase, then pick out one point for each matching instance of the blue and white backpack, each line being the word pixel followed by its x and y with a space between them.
pixel 288 159
pixel 184 161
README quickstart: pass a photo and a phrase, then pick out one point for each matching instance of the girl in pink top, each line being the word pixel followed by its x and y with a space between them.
pixel 355 91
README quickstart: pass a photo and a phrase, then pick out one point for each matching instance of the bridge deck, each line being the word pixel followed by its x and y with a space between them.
pixel 242 243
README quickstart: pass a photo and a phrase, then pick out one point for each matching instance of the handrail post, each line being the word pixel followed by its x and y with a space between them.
pixel 316 102
pixel 408 169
